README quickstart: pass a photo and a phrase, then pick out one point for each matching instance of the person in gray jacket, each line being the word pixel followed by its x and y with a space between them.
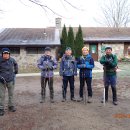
pixel 8 69
pixel 47 64
pixel 68 70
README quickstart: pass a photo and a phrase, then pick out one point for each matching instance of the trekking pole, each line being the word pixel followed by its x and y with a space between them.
pixel 49 86
pixel 63 89
pixel 84 89
pixel 104 100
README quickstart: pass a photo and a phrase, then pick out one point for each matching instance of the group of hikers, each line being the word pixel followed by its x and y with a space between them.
pixel 68 70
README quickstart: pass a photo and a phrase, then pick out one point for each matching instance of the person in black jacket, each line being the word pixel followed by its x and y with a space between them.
pixel 8 69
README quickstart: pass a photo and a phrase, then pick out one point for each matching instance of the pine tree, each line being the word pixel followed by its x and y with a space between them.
pixel 63 40
pixel 70 42
pixel 79 43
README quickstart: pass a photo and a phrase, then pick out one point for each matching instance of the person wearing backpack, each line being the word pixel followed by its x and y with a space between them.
pixel 85 63
pixel 47 63
pixel 109 62
pixel 68 70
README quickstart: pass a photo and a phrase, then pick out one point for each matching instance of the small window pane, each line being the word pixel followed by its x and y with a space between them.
pixel 32 50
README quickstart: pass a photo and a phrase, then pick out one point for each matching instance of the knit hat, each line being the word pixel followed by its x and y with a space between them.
pixel 108 48
pixel 47 49
pixel 68 48
pixel 85 48
pixel 5 50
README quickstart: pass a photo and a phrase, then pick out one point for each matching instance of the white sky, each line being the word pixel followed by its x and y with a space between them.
pixel 29 15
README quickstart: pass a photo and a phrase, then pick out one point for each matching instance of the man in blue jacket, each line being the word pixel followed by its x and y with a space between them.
pixel 47 63
pixel 8 69
pixel 85 63
pixel 68 70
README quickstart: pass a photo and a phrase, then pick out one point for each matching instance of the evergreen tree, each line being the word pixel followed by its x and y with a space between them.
pixel 70 42
pixel 79 43
pixel 63 40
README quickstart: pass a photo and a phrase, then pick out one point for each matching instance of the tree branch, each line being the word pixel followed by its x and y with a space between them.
pixel 46 7
pixel 73 5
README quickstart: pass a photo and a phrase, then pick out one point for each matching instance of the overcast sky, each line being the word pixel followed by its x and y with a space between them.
pixel 25 14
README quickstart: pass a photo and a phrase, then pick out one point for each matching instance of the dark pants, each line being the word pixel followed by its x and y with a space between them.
pixel 43 86
pixel 67 79
pixel 82 85
pixel 110 80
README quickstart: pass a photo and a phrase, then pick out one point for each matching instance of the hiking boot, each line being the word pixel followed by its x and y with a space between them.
pixel 52 100
pixel 115 103
pixel 80 99
pixel 63 100
pixel 11 108
pixel 42 100
pixel 2 112
pixel 103 101
pixel 89 100
pixel 73 99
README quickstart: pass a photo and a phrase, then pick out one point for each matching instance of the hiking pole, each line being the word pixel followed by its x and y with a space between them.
pixel 63 89
pixel 104 100
pixel 84 89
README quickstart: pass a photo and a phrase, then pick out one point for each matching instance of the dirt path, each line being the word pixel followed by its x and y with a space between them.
pixel 31 115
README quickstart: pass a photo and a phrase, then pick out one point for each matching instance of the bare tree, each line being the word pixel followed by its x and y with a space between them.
pixel 116 13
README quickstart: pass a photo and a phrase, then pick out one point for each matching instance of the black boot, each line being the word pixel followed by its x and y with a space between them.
pixel 73 99
pixel 11 108
pixel 2 112
pixel 114 95
pixel 106 93
pixel 42 100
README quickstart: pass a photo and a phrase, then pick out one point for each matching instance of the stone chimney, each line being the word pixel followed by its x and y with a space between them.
pixel 58 23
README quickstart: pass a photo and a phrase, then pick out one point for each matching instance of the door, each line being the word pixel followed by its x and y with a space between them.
pixel 93 48
pixel 126 49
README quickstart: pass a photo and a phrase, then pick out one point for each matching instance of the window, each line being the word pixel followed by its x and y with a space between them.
pixel 31 50
pixel 34 50
pixel 15 50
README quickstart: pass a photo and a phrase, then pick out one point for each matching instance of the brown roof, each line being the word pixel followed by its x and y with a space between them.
pixel 30 36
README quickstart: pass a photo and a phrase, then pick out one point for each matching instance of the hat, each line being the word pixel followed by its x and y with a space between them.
pixel 47 49
pixel 85 48
pixel 68 48
pixel 5 50
pixel 108 48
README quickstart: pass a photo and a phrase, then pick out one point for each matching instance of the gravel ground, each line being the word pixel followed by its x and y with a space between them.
pixel 31 115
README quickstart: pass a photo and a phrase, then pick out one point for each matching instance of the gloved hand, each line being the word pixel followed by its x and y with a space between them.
pixel 87 63
pixel 83 65
pixel 50 66
pixel 108 62
pixel 2 80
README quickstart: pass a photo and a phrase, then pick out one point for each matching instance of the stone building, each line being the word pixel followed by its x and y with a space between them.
pixel 27 44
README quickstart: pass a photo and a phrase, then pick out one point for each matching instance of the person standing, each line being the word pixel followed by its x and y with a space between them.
pixel 109 62
pixel 47 64
pixel 85 63
pixel 68 70
pixel 8 69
